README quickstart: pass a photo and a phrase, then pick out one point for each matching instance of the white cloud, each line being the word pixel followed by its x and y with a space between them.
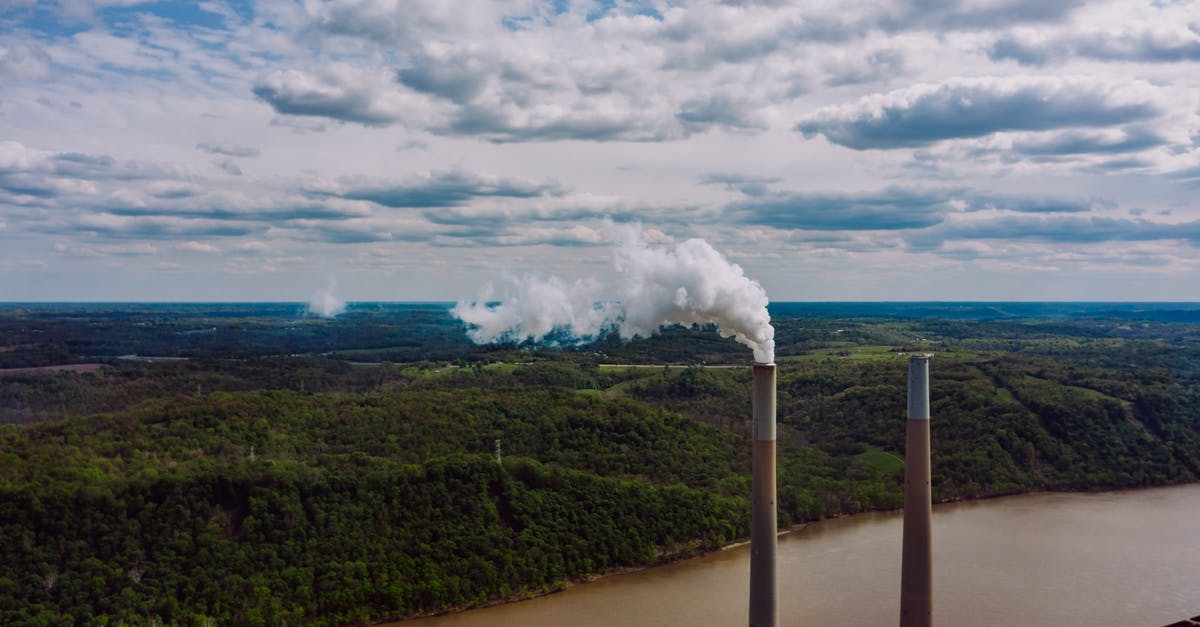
pixel 198 247
pixel 270 133
pixel 23 61
pixel 976 107
pixel 228 150
pixel 252 246
pixel 344 93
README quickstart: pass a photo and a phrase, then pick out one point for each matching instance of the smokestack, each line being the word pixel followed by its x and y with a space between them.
pixel 916 569
pixel 763 611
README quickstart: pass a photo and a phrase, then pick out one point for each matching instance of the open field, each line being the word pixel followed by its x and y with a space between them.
pixel 52 369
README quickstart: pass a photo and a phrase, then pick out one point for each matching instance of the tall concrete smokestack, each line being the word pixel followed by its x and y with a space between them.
pixel 763 606
pixel 916 569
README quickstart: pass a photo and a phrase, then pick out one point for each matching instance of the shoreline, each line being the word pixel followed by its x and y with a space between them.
pixel 625 570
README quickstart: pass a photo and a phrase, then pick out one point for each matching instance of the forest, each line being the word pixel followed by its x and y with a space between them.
pixel 250 465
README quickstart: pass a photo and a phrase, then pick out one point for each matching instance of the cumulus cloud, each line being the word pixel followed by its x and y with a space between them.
pixel 147 228
pixel 439 189
pixel 240 205
pixel 346 234
pixel 173 189
pixel 516 72
pixel 46 174
pixel 96 196
pixel 400 22
pixel 718 110
pixel 573 71
pixel 453 75
pixel 745 184
pixel 1161 41
pixel 855 68
pixel 73 11
pixel 1189 173
pixel 1057 229
pixel 198 247
pixel 99 197
pixel 503 221
pixel 23 61
pixel 600 118
pixel 228 150
pixel 974 14
pixel 575 235
pixel 229 167
pixel 534 103
pixel 889 209
pixel 342 93
pixel 147 123
pixel 975 107
pixel 1029 203
pixel 1074 142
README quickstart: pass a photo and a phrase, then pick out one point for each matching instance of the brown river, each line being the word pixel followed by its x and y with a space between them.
pixel 1114 558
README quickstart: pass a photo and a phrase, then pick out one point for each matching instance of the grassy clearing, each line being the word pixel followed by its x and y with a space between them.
pixel 865 352
pixel 881 352
pixel 880 461
pixel 1094 394
pixel 958 356
pixel 618 390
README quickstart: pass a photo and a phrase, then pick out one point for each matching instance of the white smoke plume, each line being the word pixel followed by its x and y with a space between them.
pixel 325 304
pixel 653 287
pixel 535 307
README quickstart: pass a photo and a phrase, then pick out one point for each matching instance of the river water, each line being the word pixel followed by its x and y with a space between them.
pixel 1114 558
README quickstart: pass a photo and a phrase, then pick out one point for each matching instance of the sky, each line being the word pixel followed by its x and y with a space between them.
pixel 407 150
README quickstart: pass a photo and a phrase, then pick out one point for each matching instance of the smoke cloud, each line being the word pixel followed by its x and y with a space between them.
pixel 652 287
pixel 325 304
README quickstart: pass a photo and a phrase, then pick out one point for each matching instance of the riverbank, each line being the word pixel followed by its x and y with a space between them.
pixel 627 570
pixel 839 518
pixel 624 570
pixel 1032 559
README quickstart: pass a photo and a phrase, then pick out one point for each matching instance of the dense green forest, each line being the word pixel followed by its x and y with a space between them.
pixel 289 470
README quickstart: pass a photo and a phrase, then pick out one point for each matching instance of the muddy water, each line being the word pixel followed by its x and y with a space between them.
pixel 1119 558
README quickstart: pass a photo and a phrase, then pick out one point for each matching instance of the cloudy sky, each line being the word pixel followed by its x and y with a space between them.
pixel 417 149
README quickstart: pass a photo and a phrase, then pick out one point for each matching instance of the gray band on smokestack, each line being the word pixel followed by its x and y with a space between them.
pixel 916 565
pixel 763 605
pixel 918 387
pixel 764 401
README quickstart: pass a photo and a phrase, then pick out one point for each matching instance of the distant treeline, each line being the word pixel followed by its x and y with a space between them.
pixel 52 334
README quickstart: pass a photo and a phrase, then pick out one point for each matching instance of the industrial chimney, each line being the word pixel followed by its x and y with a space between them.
pixel 916 567
pixel 763 610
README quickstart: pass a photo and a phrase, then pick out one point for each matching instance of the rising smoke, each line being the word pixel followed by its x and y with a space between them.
pixel 653 287
pixel 324 303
